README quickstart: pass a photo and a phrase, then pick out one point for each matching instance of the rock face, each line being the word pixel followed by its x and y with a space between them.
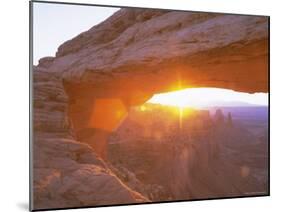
pixel 229 119
pixel 129 57
pixel 201 159
pixel 219 117
pixel 158 49
pixel 66 172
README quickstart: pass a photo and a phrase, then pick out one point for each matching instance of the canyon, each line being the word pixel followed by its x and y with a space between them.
pixel 203 156
pixel 83 95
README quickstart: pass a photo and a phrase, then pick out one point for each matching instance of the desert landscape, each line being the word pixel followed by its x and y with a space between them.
pixel 212 154
pixel 96 138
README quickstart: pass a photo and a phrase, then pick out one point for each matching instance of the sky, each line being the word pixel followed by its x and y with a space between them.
pixel 56 23
pixel 205 97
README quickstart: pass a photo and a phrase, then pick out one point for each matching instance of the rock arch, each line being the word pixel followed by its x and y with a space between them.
pixel 122 62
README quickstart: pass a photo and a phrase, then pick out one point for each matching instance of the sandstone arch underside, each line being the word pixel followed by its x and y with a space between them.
pixel 129 57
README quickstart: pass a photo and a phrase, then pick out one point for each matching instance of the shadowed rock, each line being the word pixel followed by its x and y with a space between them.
pixel 130 56
pixel 219 117
pixel 66 172
pixel 157 50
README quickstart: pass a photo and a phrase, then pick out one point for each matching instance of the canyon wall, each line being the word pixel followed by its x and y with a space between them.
pixel 65 172
pixel 126 59
pixel 203 157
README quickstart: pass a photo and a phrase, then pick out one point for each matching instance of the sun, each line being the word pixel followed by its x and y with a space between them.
pixel 180 99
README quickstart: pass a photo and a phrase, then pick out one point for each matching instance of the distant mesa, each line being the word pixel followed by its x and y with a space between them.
pixel 131 56
pixel 219 117
pixel 229 119
pixel 232 104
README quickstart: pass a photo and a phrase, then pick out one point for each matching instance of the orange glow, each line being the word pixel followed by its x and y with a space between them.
pixel 142 108
pixel 180 116
pixel 107 114
pixel 184 112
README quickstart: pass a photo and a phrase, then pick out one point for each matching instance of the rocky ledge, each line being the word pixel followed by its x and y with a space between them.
pixel 67 173
pixel 130 56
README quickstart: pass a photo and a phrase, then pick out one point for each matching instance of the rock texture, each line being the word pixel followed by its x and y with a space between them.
pixel 156 50
pixel 130 56
pixel 66 172
pixel 204 158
